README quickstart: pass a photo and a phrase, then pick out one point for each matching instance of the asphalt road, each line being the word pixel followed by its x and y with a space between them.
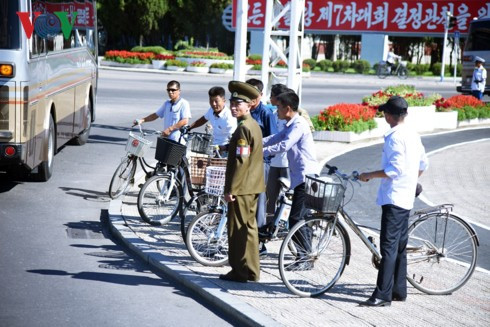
pixel 58 265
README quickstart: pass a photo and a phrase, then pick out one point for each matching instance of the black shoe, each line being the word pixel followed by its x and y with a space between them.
pixel 300 266
pixel 373 302
pixel 263 251
pixel 398 298
pixel 229 277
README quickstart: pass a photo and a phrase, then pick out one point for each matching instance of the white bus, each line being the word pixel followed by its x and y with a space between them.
pixel 477 44
pixel 48 80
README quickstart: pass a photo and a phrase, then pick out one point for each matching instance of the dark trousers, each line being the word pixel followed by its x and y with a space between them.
pixel 392 274
pixel 302 238
pixel 273 187
pixel 477 94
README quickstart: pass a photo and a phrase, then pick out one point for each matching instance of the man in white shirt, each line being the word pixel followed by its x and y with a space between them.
pixel 403 161
pixel 391 58
pixel 175 113
pixel 219 116
pixel 479 79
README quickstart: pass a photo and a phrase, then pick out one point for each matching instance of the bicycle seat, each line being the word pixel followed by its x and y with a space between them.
pixel 284 182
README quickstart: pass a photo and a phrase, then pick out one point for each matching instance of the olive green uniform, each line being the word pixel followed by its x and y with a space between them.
pixel 244 180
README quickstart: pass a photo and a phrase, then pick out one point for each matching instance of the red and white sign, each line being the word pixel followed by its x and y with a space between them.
pixel 85 11
pixel 376 16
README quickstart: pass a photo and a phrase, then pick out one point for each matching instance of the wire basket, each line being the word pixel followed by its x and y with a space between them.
pixel 137 145
pixel 215 180
pixel 218 162
pixel 198 169
pixel 323 194
pixel 169 152
pixel 200 143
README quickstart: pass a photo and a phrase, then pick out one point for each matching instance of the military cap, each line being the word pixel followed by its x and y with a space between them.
pixel 241 91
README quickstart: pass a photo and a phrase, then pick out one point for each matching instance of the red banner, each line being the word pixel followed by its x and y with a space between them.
pixel 377 16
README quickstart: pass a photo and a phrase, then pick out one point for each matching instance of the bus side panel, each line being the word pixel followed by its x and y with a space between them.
pixel 81 107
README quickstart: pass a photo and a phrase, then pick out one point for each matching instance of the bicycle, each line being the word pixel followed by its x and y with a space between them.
pixel 136 147
pixel 384 70
pixel 163 196
pixel 207 238
pixel 441 250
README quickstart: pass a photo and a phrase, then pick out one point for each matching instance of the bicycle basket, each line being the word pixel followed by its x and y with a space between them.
pixel 200 143
pixel 198 169
pixel 215 180
pixel 137 145
pixel 169 152
pixel 218 162
pixel 323 194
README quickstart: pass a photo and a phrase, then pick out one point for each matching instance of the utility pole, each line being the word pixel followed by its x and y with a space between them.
pixel 273 52
pixel 241 41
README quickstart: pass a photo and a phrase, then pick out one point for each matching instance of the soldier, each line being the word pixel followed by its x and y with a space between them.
pixel 244 182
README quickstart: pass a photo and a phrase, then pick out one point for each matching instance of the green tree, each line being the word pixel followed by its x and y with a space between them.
pixel 131 19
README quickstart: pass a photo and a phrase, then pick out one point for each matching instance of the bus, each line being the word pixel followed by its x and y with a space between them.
pixel 48 81
pixel 477 44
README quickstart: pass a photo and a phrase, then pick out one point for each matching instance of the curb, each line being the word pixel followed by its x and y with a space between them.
pixel 209 291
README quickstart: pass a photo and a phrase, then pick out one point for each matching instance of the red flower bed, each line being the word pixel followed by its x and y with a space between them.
pixel 347 116
pixel 458 102
pixel 254 61
pixel 113 54
pixel 164 57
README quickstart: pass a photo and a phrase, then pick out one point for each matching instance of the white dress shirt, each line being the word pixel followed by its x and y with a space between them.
pixel 224 124
pixel 403 157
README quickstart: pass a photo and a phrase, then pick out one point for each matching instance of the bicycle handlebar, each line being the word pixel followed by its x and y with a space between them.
pixel 332 170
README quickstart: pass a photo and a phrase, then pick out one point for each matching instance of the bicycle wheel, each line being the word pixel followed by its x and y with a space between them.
pixel 403 73
pixel 122 177
pixel 382 71
pixel 310 269
pixel 201 203
pixel 441 253
pixel 153 206
pixel 206 243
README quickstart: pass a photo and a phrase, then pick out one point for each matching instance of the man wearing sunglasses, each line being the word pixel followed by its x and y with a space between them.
pixel 175 112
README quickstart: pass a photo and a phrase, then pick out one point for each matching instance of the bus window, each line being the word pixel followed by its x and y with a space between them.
pixel 479 38
pixel 9 25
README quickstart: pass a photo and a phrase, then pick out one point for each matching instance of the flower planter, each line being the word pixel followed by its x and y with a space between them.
pixel 473 122
pixel 195 69
pixel 175 68
pixel 158 64
pixel 110 63
pixel 208 62
pixel 446 120
pixel 220 71
pixel 345 137
pixel 421 118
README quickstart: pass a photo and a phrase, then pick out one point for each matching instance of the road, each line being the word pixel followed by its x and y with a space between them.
pixel 58 264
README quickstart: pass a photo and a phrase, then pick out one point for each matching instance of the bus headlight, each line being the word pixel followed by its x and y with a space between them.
pixel 6 70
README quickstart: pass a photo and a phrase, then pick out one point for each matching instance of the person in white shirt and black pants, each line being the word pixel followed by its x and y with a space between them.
pixel 403 161
pixel 479 79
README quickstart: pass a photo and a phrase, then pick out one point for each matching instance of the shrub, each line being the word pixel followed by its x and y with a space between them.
pixel 202 54
pixel 255 57
pixel 175 62
pixel 281 63
pixel 254 61
pixel 361 66
pixel 421 68
pixel 340 66
pixel 306 68
pixel 152 49
pixel 221 65
pixel 436 69
pixel 257 67
pixel 198 64
pixel 310 62
pixel 346 117
pixel 324 64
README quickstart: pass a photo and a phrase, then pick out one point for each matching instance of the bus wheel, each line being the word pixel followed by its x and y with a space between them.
pixel 45 169
pixel 82 138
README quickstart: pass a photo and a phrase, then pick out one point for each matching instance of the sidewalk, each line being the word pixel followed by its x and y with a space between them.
pixel 269 302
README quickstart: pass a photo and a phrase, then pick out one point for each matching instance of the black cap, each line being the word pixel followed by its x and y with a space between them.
pixel 241 91
pixel 395 105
